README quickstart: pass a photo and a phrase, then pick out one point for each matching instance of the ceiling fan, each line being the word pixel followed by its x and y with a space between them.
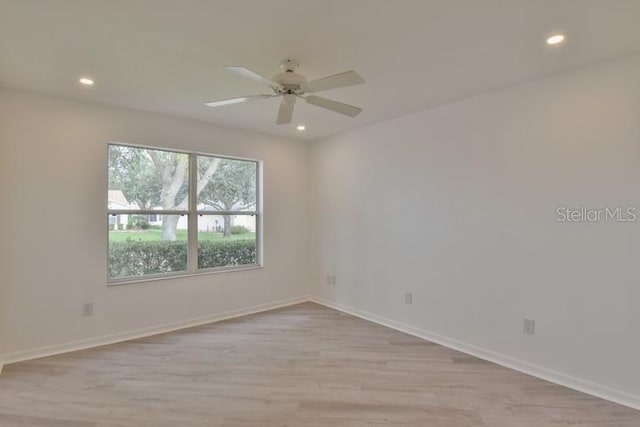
pixel 290 86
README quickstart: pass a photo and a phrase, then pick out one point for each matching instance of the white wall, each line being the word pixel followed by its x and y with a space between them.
pixel 53 154
pixel 458 205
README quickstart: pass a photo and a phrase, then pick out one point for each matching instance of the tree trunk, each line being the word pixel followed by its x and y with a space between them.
pixel 227 225
pixel 169 227
pixel 174 172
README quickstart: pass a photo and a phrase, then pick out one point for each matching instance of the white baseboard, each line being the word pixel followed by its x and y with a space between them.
pixel 584 386
pixel 83 344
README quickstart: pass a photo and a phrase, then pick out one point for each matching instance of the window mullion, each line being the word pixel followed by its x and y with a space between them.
pixel 213 212
pixel 192 230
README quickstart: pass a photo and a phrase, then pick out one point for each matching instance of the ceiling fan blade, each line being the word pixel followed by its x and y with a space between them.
pixel 250 74
pixel 285 113
pixel 238 100
pixel 348 78
pixel 338 107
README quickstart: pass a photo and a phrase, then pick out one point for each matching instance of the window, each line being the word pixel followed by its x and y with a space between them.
pixel 172 213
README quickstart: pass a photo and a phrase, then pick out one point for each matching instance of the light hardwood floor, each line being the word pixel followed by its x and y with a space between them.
pixel 304 365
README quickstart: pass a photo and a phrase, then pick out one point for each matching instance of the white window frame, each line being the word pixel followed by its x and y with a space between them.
pixel 192 213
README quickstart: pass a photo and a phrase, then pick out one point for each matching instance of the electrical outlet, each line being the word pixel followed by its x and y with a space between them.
pixel 529 326
pixel 331 280
pixel 408 298
pixel 87 309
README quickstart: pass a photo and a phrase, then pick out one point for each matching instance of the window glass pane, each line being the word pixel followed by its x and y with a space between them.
pixel 138 247
pixel 226 240
pixel 141 178
pixel 230 184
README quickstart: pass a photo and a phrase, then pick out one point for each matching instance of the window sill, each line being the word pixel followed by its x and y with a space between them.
pixel 155 278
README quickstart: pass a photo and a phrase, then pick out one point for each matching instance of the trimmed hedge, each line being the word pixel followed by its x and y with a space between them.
pixel 136 258
pixel 213 254
pixel 239 229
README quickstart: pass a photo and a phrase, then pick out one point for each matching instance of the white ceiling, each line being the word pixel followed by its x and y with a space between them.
pixel 168 56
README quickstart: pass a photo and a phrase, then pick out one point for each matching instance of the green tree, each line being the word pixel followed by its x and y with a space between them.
pixel 231 188
pixel 130 172
pixel 156 178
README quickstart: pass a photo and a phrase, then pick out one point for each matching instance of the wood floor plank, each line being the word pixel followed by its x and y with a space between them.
pixel 304 365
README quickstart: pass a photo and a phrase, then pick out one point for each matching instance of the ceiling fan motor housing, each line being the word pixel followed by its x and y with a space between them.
pixel 290 82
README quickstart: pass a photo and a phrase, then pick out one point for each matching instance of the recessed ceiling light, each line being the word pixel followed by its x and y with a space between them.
pixel 301 127
pixel 555 39
pixel 86 81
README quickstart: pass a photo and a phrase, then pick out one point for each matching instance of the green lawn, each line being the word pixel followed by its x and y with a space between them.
pixel 156 235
